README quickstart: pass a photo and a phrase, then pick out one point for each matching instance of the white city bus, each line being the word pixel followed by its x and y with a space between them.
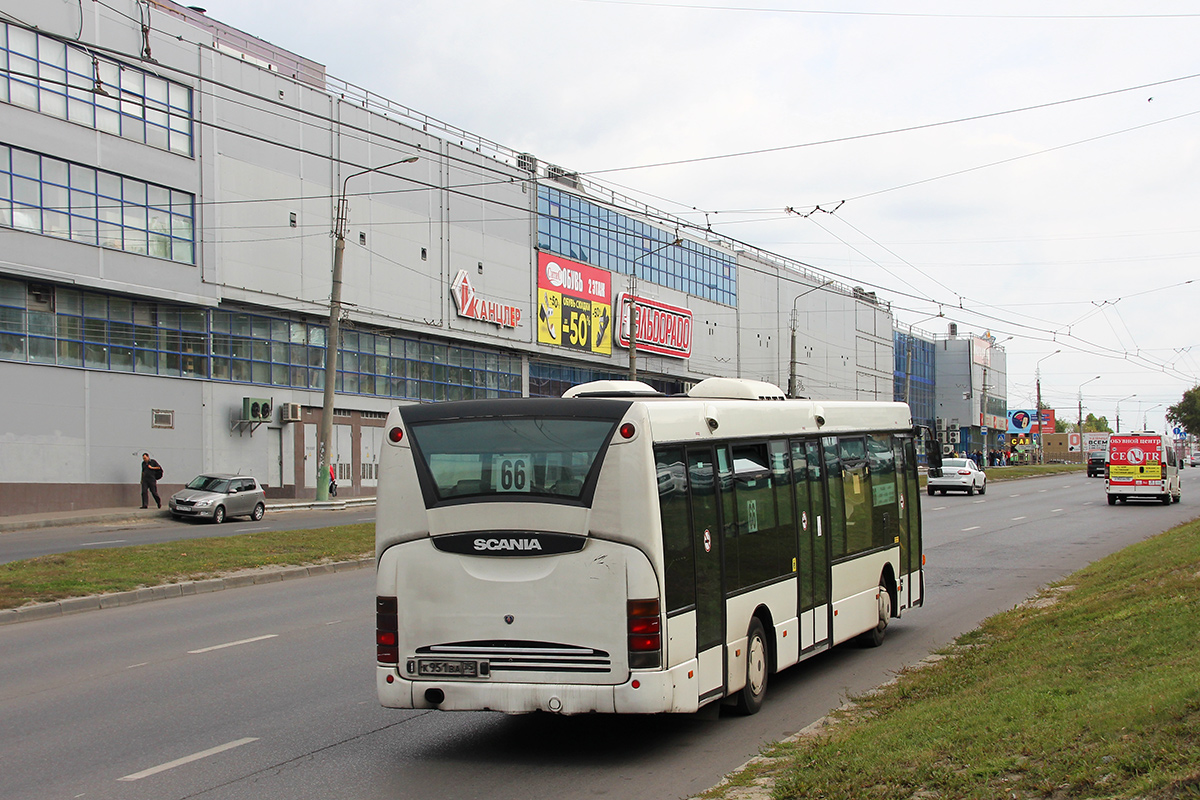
pixel 619 551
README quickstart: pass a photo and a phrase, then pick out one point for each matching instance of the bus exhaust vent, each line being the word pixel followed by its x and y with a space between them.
pixel 522 656
pixel 736 389
pixel 613 389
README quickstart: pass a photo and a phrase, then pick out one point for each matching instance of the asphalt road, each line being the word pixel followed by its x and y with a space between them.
pixel 267 691
pixel 22 544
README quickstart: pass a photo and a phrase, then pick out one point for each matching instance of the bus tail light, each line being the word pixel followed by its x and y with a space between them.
pixel 1163 465
pixel 627 430
pixel 395 435
pixel 387 627
pixel 645 634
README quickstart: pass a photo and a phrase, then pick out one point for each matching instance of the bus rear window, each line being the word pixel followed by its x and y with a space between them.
pixel 510 456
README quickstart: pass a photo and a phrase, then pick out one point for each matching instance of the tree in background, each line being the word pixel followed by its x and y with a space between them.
pixel 1091 424
pixel 1186 413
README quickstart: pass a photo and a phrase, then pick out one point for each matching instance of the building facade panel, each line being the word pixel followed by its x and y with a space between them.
pixel 183 264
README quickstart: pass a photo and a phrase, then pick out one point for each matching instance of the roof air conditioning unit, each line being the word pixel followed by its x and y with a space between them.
pixel 527 162
pixel 561 175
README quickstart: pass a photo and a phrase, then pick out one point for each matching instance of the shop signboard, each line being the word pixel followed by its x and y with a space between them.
pixel 574 309
pixel 661 328
pixel 1020 420
pixel 472 306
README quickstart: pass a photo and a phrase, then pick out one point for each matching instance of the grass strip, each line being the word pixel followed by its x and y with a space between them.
pixel 1092 690
pixel 87 572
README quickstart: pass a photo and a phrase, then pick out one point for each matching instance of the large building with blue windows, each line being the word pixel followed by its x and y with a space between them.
pixel 168 185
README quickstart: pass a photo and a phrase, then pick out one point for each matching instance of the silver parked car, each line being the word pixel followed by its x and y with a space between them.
pixel 957 475
pixel 219 496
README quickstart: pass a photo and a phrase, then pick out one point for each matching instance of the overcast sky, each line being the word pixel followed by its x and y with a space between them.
pixel 1028 168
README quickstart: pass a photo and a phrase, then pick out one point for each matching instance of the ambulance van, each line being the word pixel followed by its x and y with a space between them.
pixel 1141 466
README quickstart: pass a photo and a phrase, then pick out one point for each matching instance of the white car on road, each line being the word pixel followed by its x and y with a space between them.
pixel 958 475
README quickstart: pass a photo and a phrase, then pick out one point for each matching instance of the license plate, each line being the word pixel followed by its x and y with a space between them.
pixel 448 668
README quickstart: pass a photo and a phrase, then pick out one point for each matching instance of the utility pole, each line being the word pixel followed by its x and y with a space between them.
pixel 791 392
pixel 1038 370
pixel 333 334
pixel 633 324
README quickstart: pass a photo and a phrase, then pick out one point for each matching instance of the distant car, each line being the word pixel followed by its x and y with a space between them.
pixel 1194 460
pixel 1097 461
pixel 219 496
pixel 957 475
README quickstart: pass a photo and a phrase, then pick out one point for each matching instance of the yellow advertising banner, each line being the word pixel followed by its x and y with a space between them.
pixel 574 305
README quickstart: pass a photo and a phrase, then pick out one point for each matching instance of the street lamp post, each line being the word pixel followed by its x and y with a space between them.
pixel 983 387
pixel 792 359
pixel 633 305
pixel 1037 371
pixel 1145 426
pixel 1085 383
pixel 333 334
pixel 1122 400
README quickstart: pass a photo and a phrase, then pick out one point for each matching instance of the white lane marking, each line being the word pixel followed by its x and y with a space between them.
pixel 940 508
pixel 981 501
pixel 334 622
pixel 1055 510
pixel 1042 491
pixel 972 528
pixel 232 644
pixel 247 530
pixel 179 762
pixel 135 666
pixel 1014 519
pixel 1014 495
pixel 110 541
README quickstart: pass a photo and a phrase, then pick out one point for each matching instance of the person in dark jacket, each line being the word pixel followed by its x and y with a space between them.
pixel 151 472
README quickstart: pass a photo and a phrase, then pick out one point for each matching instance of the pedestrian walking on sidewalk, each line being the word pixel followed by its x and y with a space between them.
pixel 151 472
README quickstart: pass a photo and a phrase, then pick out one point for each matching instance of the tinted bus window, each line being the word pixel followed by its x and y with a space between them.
pixel 679 569
pixel 506 456
pixel 857 494
pixel 764 532
pixel 885 505
pixel 837 502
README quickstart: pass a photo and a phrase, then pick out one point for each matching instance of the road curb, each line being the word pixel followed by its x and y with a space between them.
pixel 146 594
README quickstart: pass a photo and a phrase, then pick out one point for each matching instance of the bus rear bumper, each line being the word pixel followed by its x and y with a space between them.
pixel 643 693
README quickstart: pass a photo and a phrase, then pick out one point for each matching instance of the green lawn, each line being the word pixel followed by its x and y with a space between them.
pixel 1091 691
pixel 86 572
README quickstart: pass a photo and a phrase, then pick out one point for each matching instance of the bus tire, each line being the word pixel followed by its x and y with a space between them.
pixel 758 661
pixel 931 491
pixel 875 636
pixel 1112 499
pixel 1166 498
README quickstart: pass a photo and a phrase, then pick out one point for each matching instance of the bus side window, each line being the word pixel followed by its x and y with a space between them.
pixel 885 504
pixel 857 493
pixel 679 573
pixel 837 502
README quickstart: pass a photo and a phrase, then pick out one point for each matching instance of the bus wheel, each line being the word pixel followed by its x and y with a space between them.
pixel 874 637
pixel 1112 499
pixel 750 698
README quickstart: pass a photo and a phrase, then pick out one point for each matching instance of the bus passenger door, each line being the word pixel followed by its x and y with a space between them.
pixel 710 592
pixel 813 567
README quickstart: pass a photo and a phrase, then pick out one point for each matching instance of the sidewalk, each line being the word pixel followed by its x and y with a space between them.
pixel 88 516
